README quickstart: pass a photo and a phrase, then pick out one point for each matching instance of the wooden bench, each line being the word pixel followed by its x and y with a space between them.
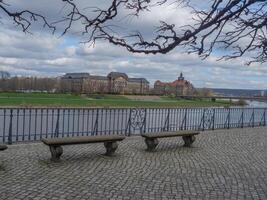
pixel 151 139
pixel 3 147
pixel 110 143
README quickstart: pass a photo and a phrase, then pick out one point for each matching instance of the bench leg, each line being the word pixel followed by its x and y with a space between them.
pixel 56 152
pixel 110 147
pixel 3 147
pixel 188 140
pixel 151 143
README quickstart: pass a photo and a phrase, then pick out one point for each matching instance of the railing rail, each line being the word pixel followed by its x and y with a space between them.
pixel 32 124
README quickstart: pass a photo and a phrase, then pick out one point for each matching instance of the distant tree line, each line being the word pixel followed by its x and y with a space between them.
pixel 28 84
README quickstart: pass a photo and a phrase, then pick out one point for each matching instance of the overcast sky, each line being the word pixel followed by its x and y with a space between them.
pixel 43 54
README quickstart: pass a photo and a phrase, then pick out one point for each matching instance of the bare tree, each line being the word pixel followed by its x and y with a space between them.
pixel 239 27
pixel 4 75
pixel 204 92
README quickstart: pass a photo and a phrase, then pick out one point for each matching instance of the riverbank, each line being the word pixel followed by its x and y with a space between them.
pixel 69 100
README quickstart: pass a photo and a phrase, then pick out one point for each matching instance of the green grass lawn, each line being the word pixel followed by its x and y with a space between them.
pixel 68 100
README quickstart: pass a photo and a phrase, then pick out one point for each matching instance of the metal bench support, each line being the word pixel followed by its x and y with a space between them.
pixel 110 148
pixel 188 140
pixel 3 147
pixel 151 143
pixel 56 152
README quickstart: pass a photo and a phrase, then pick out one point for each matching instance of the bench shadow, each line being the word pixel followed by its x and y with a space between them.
pixel 167 147
pixel 74 158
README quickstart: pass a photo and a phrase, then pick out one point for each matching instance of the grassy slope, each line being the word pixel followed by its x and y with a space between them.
pixel 68 100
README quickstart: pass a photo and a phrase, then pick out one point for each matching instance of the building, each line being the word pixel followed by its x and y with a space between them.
pixel 117 82
pixel 114 82
pixel 138 86
pixel 177 87
pixel 74 82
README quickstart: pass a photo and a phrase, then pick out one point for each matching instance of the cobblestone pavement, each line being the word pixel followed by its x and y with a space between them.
pixel 225 164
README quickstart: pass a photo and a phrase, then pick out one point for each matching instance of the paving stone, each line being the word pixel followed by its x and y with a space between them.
pixel 223 164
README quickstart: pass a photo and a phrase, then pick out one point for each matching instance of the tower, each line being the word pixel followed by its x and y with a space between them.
pixel 181 78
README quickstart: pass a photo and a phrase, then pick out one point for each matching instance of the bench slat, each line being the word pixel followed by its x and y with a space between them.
pixel 169 134
pixel 82 140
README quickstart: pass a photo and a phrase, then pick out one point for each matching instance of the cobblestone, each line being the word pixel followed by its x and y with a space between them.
pixel 224 164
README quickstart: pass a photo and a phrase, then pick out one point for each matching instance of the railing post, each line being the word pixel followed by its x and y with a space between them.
pixel 264 118
pixel 41 125
pixel 4 126
pixel 185 117
pixel 213 119
pixel 57 124
pixel 183 125
pixel 30 123
pixel 167 122
pixel 228 126
pixel 10 127
pixel 35 124
pixel 242 119
pixel 203 119
pixel 129 124
pixel 23 125
pixel 253 118
pixel 96 123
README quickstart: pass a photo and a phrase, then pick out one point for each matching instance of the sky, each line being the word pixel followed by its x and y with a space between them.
pixel 43 54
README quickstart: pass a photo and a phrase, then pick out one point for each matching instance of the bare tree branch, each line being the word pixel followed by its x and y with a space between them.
pixel 24 18
pixel 238 27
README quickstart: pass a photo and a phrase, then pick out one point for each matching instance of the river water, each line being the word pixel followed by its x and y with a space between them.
pixel 256 104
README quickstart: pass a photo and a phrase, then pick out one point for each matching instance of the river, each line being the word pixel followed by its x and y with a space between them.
pixel 256 104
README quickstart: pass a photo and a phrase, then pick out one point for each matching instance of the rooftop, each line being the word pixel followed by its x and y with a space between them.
pixel 98 77
pixel 117 74
pixel 76 75
pixel 143 80
pixel 178 82
pixel 172 84
pixel 110 75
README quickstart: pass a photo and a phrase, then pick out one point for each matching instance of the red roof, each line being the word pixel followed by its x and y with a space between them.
pixel 172 84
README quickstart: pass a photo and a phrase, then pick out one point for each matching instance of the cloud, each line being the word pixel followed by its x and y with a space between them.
pixel 43 54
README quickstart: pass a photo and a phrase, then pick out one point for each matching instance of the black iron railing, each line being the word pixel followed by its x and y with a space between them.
pixel 32 124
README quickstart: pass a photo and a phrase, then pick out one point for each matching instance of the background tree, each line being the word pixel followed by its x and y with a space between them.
pixel 204 92
pixel 236 27
pixel 4 75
